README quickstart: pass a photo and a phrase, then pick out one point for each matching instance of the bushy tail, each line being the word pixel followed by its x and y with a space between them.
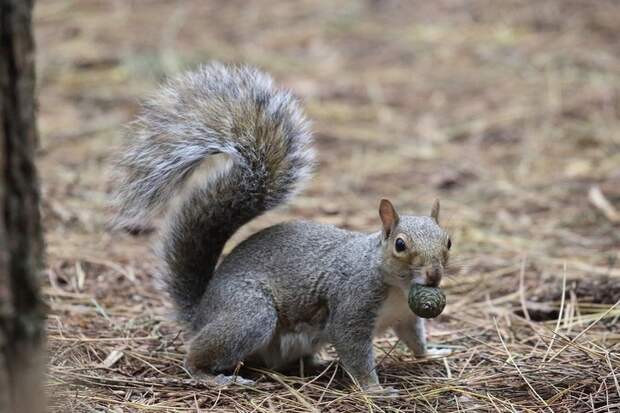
pixel 217 109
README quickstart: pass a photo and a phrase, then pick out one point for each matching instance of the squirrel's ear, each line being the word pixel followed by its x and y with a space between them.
pixel 435 211
pixel 389 217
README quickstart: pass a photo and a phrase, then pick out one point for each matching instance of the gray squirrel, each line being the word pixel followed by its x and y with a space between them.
pixel 288 290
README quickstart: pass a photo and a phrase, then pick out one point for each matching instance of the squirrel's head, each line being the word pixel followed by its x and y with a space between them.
pixel 414 249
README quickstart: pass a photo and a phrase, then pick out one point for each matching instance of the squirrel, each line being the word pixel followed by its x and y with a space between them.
pixel 288 290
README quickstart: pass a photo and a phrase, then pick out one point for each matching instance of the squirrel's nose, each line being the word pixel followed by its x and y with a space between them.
pixel 433 276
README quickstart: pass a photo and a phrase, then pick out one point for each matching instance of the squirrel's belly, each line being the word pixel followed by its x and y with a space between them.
pixel 287 347
pixel 296 345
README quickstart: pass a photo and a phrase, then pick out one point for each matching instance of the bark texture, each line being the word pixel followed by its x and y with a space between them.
pixel 21 310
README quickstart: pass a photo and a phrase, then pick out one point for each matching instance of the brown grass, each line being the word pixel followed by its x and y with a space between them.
pixel 508 111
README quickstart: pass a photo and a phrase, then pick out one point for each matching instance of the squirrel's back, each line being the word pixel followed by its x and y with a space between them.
pixel 217 109
pixel 289 249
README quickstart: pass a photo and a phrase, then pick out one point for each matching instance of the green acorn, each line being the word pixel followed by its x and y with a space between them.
pixel 426 302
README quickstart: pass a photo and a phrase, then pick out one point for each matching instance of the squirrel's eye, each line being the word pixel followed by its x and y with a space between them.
pixel 400 245
pixel 449 243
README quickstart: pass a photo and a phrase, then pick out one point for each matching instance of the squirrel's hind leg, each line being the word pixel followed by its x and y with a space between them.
pixel 236 332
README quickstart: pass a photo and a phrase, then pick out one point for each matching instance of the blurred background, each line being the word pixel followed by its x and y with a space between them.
pixel 508 111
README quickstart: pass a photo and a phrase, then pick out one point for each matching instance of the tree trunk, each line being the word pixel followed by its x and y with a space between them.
pixel 21 310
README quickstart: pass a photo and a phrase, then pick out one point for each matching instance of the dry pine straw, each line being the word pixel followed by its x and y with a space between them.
pixel 126 356
pixel 509 113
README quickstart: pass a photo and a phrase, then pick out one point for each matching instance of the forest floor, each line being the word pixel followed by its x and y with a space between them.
pixel 509 112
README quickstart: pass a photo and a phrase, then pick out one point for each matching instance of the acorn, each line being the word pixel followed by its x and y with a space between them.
pixel 426 302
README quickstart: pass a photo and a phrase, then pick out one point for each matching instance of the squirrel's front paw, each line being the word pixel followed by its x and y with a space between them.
pixel 435 353
pixel 378 390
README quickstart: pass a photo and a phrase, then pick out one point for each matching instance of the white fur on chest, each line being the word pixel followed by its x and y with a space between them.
pixel 393 310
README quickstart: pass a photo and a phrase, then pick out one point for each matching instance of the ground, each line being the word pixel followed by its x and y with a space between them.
pixel 509 112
